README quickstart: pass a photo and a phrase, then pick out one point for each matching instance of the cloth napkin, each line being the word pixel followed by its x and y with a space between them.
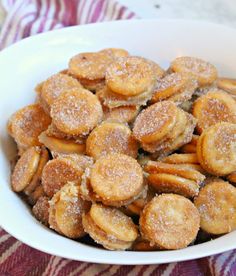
pixel 29 17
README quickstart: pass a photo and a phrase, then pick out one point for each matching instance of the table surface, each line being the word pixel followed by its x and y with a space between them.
pixel 218 11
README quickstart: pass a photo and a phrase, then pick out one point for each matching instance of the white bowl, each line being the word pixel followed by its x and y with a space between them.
pixel 30 61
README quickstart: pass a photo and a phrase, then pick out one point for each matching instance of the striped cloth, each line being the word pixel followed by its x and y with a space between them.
pixel 29 17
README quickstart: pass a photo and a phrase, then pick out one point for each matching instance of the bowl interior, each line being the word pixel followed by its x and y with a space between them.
pixel 27 63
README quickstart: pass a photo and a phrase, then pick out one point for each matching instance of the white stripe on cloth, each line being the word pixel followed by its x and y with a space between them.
pixel 9 251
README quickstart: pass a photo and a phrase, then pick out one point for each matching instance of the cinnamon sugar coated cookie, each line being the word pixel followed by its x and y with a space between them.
pixel 111 137
pixel 116 179
pixel 76 112
pixel 216 203
pixel 170 221
pixel 118 152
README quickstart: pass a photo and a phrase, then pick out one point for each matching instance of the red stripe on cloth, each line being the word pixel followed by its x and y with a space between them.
pixel 142 270
pixel 131 15
pixel 45 3
pixel 159 270
pixel 71 266
pixel 123 270
pixel 70 16
pixel 104 272
pixel 84 269
pixel 21 25
pixel 203 265
pixel 97 11
pixel 31 262
pixel 189 268
pixel 5 245
pixel 90 9
pixel 106 3
pixel 57 10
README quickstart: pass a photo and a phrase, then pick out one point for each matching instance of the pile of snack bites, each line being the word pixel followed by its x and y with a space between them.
pixel 131 155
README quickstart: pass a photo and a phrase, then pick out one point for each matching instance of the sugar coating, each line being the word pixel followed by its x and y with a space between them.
pixel 113 222
pixel 113 100
pixel 216 204
pixel 170 221
pixel 113 181
pixel 153 118
pixel 130 76
pixel 218 147
pixel 111 138
pixel 90 66
pixel 216 106
pixel 55 85
pixel 27 123
pixel 25 169
pixel 205 72
pixel 69 208
pixel 123 114
pixel 76 113
pixel 174 80
pixel 57 173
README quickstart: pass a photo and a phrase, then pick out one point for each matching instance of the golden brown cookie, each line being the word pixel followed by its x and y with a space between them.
pixel 53 87
pixel 216 204
pixel 130 76
pixel 25 169
pixel 174 86
pixel 66 210
pixel 181 158
pixel 76 112
pixel 26 124
pixel 116 179
pixel 123 114
pixel 170 221
pixel 155 122
pixel 112 100
pixel 203 71
pixel 111 137
pixel 216 149
pixel 214 107
pixel 61 145
pixel 57 173
pixel 110 227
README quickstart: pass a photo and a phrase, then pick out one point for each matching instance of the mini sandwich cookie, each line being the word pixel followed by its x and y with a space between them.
pixel 27 173
pixel 53 87
pixel 76 112
pixel 216 149
pixel 115 179
pixel 170 221
pixel 23 128
pixel 174 178
pixel 58 172
pixel 111 137
pixel 176 87
pixel 214 107
pixel 110 227
pixel 163 127
pixel 216 204
pixel 203 71
pixel 66 210
pixel 90 68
